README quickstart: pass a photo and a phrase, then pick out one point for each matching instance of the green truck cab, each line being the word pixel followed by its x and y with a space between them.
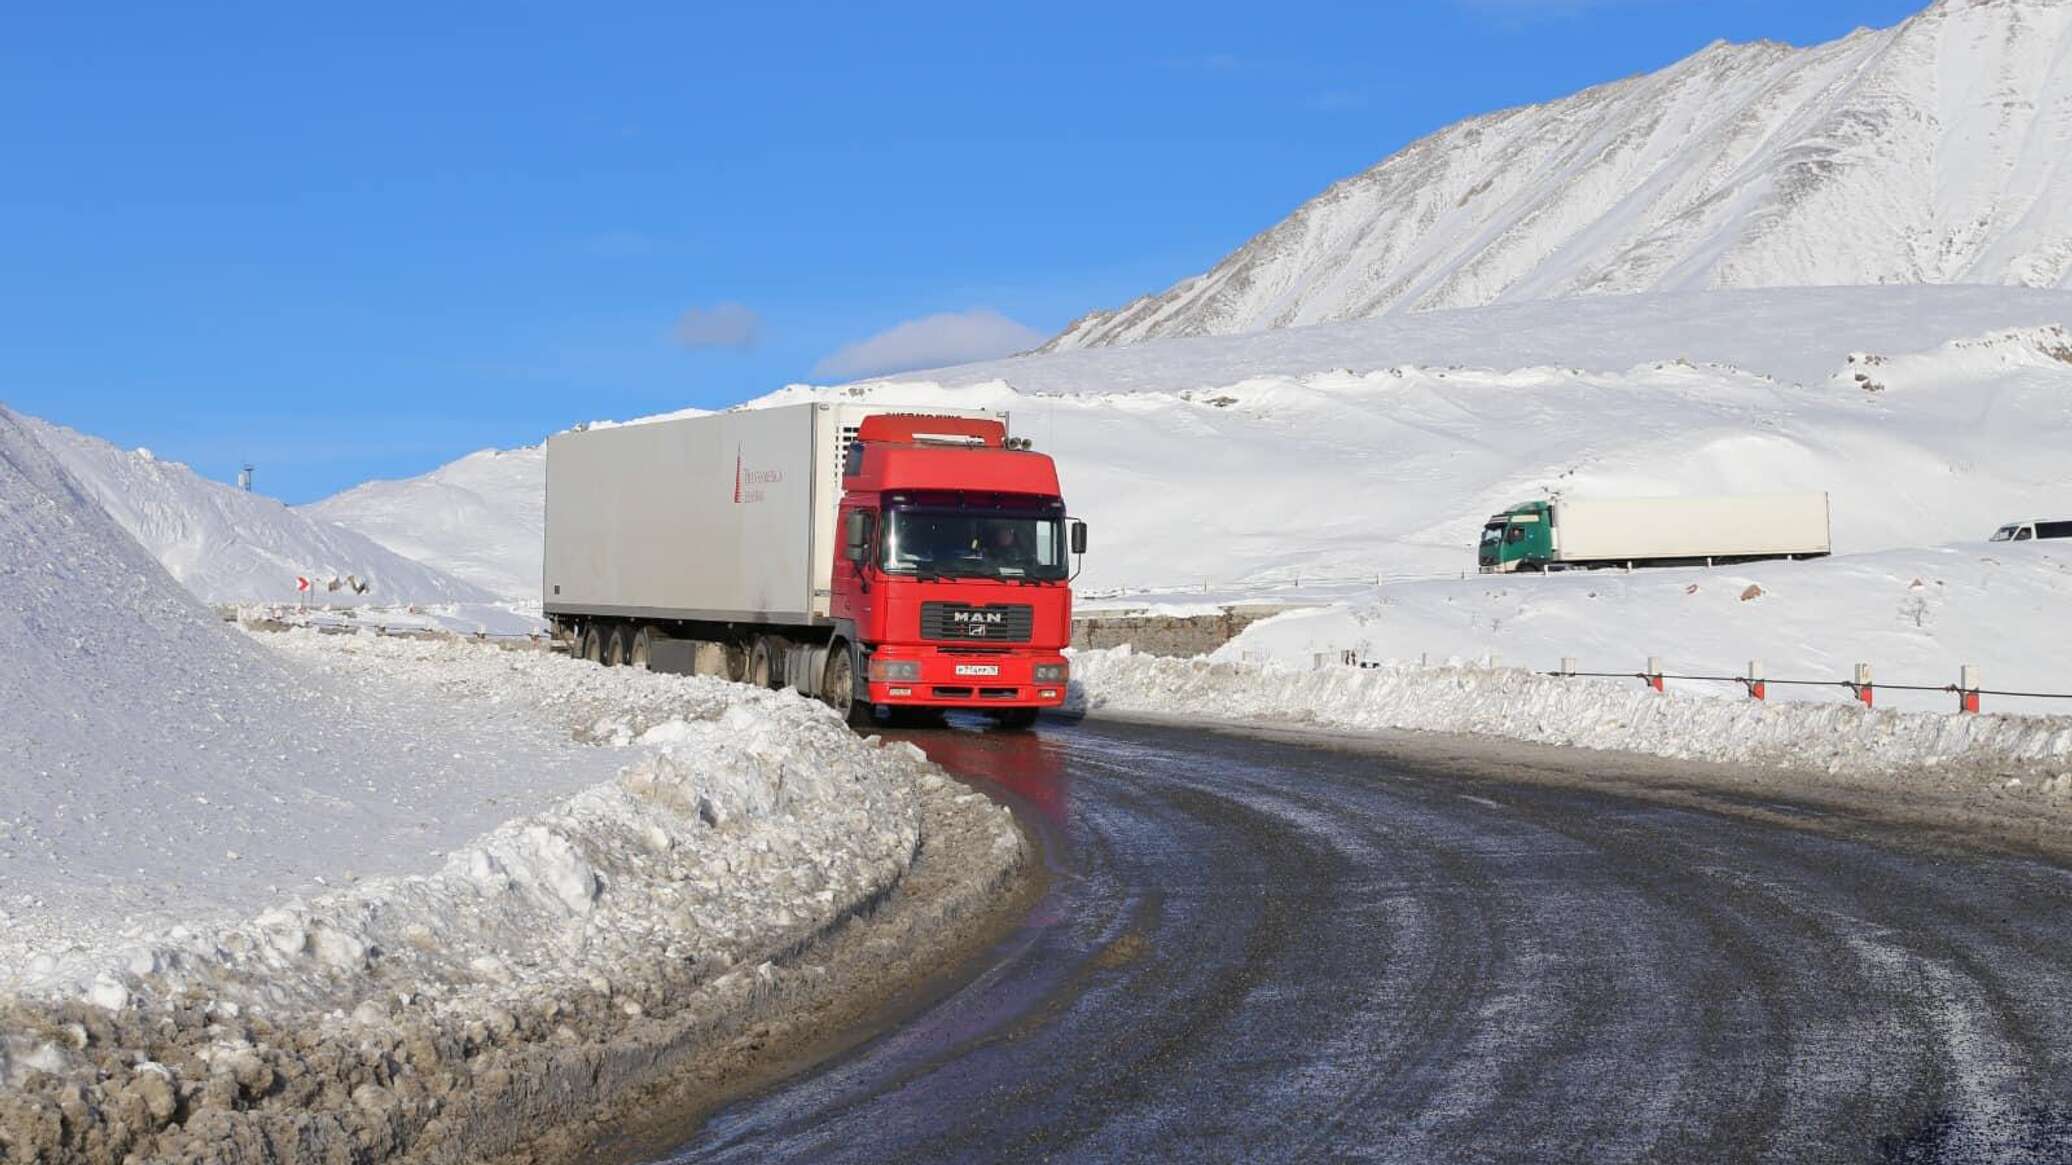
pixel 1520 536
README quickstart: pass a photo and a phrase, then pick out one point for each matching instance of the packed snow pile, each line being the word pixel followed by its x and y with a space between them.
pixel 1916 616
pixel 1516 704
pixel 140 732
pixel 478 518
pixel 580 946
pixel 1925 153
pixel 227 545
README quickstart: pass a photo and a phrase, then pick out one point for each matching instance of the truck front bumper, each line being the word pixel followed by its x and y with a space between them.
pixel 938 679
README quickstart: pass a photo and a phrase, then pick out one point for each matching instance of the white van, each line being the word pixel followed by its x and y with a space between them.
pixel 2025 531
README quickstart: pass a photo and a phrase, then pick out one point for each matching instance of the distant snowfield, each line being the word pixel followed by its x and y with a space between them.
pixel 1377 447
pixel 478 519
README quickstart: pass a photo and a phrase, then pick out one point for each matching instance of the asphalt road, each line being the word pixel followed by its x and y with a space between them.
pixel 1265 952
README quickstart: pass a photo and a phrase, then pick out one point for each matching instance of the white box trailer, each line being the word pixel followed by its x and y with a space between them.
pixel 724 517
pixel 1756 525
pixel 1655 531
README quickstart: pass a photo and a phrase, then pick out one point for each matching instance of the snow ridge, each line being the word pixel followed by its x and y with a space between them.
pixel 1925 153
pixel 227 545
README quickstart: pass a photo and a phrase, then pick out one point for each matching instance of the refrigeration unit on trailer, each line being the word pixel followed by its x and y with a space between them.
pixel 1559 533
pixel 875 558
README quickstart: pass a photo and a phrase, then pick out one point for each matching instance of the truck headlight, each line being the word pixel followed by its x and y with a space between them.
pixel 1050 673
pixel 895 669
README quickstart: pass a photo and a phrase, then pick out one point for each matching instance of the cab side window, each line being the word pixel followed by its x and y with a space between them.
pixel 2023 534
pixel 1515 534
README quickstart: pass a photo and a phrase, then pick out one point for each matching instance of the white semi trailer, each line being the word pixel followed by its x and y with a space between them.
pixel 1678 531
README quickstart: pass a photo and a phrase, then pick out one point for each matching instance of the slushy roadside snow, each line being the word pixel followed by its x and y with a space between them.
pixel 1516 704
pixel 368 897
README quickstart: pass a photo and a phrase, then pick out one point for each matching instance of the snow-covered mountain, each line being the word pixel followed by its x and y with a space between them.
pixel 1932 152
pixel 477 518
pixel 228 546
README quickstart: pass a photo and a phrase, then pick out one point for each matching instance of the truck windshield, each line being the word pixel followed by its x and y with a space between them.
pixel 1492 533
pixel 958 543
pixel 2003 534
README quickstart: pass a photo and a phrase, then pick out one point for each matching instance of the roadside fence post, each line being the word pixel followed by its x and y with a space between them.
pixel 1568 665
pixel 1495 661
pixel 1862 686
pixel 1968 684
pixel 1317 659
pixel 1654 673
pixel 1756 687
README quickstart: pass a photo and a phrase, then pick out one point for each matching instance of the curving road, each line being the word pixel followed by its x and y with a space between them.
pixel 1260 951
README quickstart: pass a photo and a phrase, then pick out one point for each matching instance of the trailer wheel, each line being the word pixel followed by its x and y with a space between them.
pixel 615 647
pixel 643 649
pixel 838 686
pixel 591 645
pixel 762 662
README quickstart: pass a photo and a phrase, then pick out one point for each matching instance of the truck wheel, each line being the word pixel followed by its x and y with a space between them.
pixel 642 650
pixel 615 647
pixel 734 658
pixel 838 686
pixel 762 663
pixel 591 645
pixel 1014 719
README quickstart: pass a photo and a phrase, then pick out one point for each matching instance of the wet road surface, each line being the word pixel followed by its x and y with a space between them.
pixel 1260 951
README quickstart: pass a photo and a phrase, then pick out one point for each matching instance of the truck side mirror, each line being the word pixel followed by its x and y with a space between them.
pixel 1078 537
pixel 856 536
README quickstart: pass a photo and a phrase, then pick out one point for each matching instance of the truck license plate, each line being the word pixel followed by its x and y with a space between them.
pixel 978 669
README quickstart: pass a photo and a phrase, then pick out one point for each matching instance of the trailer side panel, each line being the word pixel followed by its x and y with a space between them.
pixel 704 517
pixel 1756 525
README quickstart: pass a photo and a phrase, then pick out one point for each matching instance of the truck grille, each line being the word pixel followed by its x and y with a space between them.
pixel 964 623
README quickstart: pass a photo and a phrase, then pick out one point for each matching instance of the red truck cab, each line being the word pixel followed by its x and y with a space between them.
pixel 953 568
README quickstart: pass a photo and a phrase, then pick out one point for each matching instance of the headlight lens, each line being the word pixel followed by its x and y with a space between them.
pixel 895 669
pixel 1050 673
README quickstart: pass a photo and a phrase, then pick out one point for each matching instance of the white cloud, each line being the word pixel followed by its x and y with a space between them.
pixel 723 325
pixel 931 342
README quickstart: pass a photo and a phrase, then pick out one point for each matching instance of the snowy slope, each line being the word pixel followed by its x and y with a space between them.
pixel 227 545
pixel 1931 152
pixel 1915 615
pixel 1376 447
pixel 1393 471
pixel 477 518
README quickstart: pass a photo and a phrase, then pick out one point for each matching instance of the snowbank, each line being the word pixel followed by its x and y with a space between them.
pixel 1520 705
pixel 647 912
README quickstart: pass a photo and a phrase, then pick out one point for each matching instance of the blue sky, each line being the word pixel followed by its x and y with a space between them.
pixel 361 243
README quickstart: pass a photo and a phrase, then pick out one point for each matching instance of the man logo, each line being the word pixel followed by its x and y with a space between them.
pixel 978 617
